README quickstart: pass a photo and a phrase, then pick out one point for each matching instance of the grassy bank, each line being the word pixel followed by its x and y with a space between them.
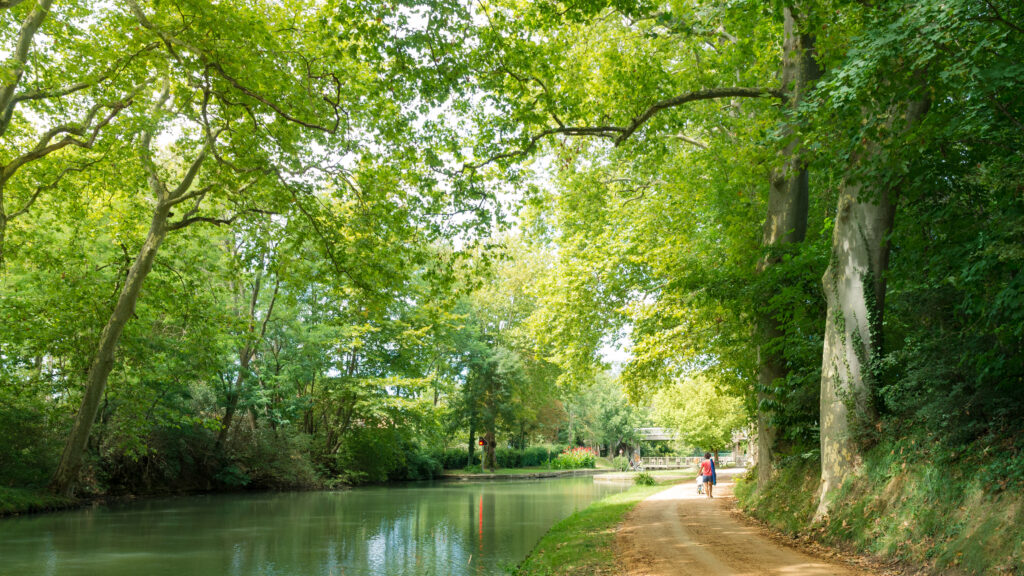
pixel 24 500
pixel 582 544
pixel 906 504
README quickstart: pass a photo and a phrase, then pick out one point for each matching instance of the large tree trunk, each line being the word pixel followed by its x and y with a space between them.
pixel 3 230
pixel 854 285
pixel 785 223
pixel 490 462
pixel 63 481
pixel 855 292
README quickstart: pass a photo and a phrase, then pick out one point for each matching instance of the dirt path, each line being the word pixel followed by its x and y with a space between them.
pixel 678 532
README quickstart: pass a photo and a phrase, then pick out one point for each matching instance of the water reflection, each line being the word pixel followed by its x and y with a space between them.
pixel 422 530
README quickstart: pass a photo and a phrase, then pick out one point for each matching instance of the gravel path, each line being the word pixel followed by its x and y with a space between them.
pixel 678 532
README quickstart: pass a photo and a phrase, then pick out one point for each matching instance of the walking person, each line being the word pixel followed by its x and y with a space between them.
pixel 707 470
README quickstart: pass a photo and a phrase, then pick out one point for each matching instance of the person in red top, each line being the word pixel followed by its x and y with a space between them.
pixel 705 471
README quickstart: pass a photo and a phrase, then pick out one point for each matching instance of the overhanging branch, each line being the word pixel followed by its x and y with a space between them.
pixel 619 134
pixel 19 58
pixel 710 94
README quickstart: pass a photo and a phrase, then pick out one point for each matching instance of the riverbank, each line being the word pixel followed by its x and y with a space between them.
pixel 921 511
pixel 583 543
pixel 18 501
pixel 15 501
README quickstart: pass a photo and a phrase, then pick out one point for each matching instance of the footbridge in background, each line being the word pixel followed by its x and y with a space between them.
pixel 735 457
pixel 663 462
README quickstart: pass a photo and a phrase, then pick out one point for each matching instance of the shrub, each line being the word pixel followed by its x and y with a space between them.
pixel 620 463
pixel 453 458
pixel 537 456
pixel 267 458
pixel 419 465
pixel 457 458
pixel 29 448
pixel 644 479
pixel 508 458
pixel 373 455
pixel 573 458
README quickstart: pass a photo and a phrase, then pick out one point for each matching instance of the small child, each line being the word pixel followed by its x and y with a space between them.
pixel 700 484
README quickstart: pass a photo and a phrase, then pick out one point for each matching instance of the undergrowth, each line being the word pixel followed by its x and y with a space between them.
pixel 789 502
pixel 22 500
pixel 917 503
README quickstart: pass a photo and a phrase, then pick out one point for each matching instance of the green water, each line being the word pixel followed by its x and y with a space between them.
pixel 444 528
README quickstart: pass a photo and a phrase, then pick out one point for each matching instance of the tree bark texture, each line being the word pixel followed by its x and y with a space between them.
pixel 854 286
pixel 785 223
pixel 63 481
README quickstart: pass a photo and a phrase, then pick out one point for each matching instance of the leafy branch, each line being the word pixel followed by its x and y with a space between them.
pixel 210 63
pixel 619 134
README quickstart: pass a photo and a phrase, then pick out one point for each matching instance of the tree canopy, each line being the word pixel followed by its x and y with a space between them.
pixel 307 243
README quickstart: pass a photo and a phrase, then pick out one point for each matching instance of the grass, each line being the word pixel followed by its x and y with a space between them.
pixel 928 512
pixel 582 544
pixel 22 500
pixel 789 502
pixel 907 503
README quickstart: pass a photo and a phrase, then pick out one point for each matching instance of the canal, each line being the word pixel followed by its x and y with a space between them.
pixel 418 529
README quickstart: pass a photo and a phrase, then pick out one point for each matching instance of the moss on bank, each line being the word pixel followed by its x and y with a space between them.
pixel 583 544
pixel 907 504
pixel 25 500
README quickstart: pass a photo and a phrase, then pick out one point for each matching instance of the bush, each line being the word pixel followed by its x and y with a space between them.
pixel 620 463
pixel 508 458
pixel 457 458
pixel 274 459
pixel 644 479
pixel 374 455
pixel 29 448
pixel 419 465
pixel 174 459
pixel 573 458
pixel 453 458
pixel 538 455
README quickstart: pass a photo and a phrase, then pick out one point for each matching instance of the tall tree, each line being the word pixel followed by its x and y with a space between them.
pixel 907 59
pixel 711 37
pixel 245 120
pixel 785 223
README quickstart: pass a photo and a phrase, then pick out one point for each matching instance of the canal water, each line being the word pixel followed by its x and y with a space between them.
pixel 417 529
